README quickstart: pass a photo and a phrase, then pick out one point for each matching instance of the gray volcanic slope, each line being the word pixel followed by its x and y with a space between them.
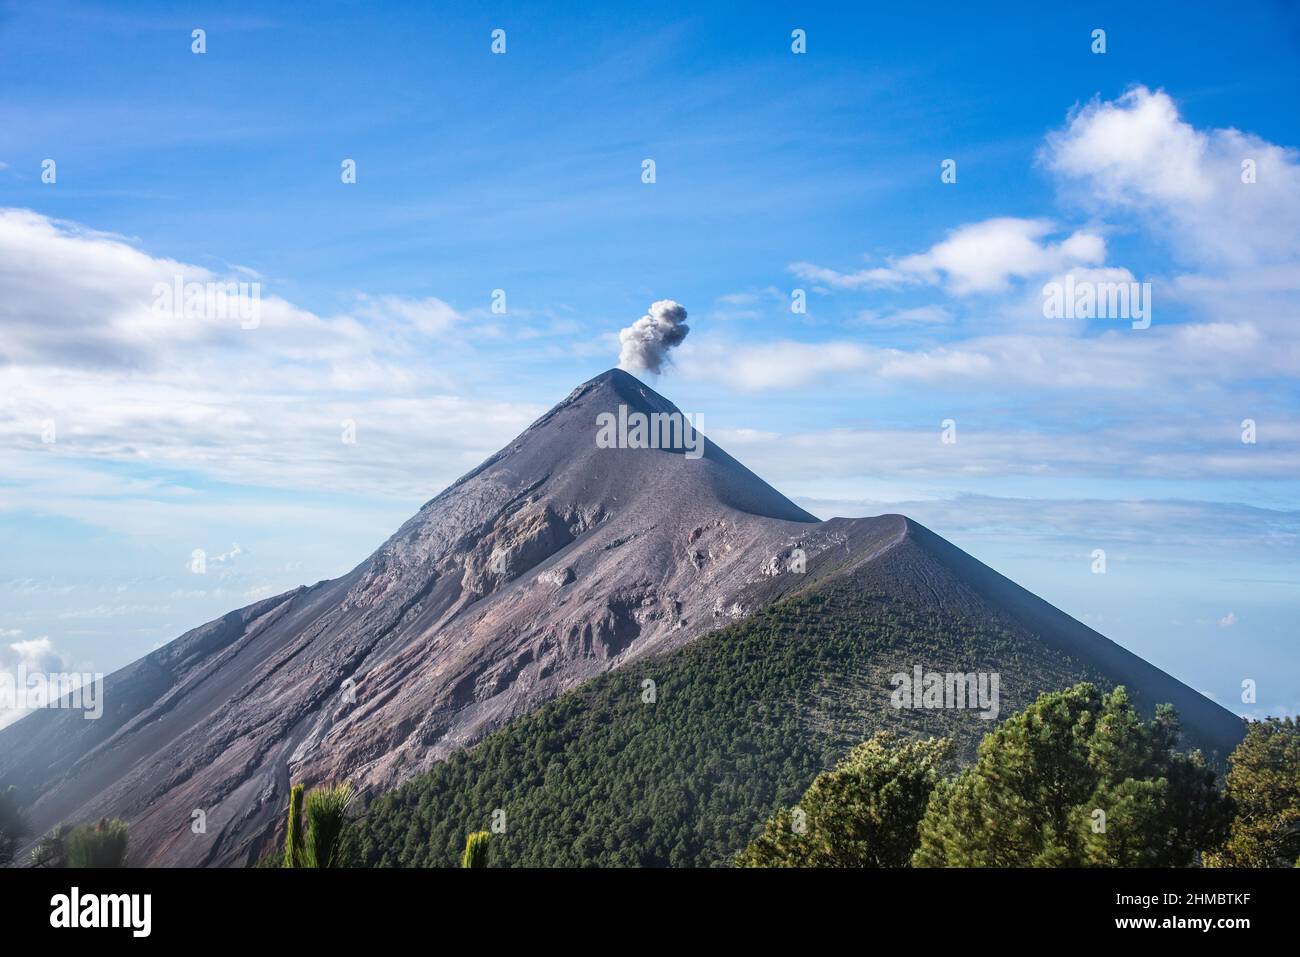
pixel 551 562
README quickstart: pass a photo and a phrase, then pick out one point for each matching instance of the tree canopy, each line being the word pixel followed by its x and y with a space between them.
pixel 1076 779
pixel 863 813
pixel 1264 786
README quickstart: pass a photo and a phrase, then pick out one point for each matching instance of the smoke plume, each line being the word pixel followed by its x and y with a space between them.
pixel 646 342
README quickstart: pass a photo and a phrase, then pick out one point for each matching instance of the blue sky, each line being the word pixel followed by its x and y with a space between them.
pixel 774 172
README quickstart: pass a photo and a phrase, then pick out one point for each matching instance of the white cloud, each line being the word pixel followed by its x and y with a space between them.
pixel 984 257
pixel 1118 362
pixel 1116 452
pixel 1134 150
pixel 431 316
pixel 96 612
pixel 780 365
pixel 35 656
pixel 877 277
pixel 36 653
pixel 978 257
pixel 227 556
pixel 1134 157
pixel 82 347
pixel 897 318
pixel 1138 155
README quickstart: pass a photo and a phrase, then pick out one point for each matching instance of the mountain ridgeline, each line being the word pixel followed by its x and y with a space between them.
pixel 635 654
pixel 677 760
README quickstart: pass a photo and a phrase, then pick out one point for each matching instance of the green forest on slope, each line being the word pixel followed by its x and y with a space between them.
pixel 743 720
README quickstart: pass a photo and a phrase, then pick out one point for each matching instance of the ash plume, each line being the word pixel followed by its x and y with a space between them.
pixel 646 342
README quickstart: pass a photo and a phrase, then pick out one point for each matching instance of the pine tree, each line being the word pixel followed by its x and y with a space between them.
pixel 1264 786
pixel 863 813
pixel 1076 779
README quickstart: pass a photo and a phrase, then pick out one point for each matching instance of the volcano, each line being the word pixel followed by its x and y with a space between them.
pixel 554 561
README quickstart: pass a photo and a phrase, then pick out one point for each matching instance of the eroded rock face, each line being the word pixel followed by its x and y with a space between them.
pixel 552 562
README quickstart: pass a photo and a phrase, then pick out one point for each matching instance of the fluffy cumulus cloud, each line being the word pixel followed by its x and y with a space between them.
pixel 36 654
pixel 76 298
pixel 1221 197
pixel 978 257
pixel 644 345
pixel 101 363
pixel 19 660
